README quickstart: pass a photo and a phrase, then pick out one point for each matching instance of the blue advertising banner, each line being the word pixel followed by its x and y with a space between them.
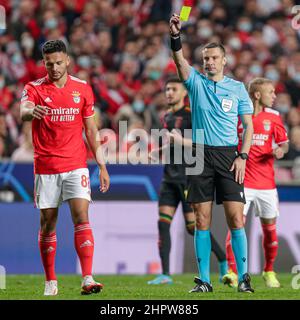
pixel 128 182
pixel 19 251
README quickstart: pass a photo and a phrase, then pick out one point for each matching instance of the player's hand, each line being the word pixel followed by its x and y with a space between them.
pixel 39 112
pixel 175 24
pixel 104 180
pixel 278 153
pixel 239 167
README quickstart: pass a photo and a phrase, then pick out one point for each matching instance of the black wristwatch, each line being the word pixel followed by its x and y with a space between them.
pixel 243 155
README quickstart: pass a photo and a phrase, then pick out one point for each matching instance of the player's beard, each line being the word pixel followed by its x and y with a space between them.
pixel 59 76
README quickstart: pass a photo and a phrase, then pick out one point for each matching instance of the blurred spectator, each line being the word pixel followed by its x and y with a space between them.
pixel 25 151
pixel 5 93
pixel 8 145
pixel 294 149
pixel 13 122
pixel 293 118
pixel 296 169
pixel 283 104
pixel 2 148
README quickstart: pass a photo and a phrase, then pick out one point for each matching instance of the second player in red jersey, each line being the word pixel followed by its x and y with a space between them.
pixel 269 142
pixel 269 131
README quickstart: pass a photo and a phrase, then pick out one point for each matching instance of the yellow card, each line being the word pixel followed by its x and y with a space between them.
pixel 185 13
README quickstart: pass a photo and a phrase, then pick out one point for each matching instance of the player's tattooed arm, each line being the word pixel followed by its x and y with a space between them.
pixel 29 111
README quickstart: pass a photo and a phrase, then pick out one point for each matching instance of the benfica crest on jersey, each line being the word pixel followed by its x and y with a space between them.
pixel 227 104
pixel 267 125
pixel 76 96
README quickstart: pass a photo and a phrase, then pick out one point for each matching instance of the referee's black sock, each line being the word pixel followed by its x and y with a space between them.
pixel 217 250
pixel 164 241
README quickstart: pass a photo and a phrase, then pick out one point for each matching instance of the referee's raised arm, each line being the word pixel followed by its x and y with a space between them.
pixel 182 65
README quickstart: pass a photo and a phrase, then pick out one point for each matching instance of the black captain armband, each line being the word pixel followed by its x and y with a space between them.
pixel 176 42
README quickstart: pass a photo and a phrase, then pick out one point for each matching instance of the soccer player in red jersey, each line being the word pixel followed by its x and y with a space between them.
pixel 269 142
pixel 60 106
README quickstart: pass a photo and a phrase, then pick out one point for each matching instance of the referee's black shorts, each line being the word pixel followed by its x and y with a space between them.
pixel 216 178
pixel 172 193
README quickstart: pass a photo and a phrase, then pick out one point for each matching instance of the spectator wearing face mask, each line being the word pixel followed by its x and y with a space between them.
pixel 283 104
pixel 293 83
pixel 5 93
pixel 272 73
pixel 9 146
pixel 244 27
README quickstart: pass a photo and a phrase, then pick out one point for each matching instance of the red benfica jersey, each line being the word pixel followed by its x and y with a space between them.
pixel 268 129
pixel 57 139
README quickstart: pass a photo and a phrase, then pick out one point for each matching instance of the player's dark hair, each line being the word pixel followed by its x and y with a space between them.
pixel 212 45
pixel 173 80
pixel 52 46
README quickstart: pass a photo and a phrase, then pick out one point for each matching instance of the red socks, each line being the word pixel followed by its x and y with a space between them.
pixel 47 245
pixel 270 245
pixel 84 244
pixel 229 254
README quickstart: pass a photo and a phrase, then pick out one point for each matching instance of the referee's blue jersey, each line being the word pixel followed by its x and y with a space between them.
pixel 215 108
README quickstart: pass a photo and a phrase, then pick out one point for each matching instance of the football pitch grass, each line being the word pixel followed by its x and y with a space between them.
pixel 135 287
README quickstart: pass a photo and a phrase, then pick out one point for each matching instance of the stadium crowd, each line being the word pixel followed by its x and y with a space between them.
pixel 121 47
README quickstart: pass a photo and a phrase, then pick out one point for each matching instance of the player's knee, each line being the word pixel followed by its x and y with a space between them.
pixel 80 220
pixel 48 224
pixel 202 221
pixel 48 227
pixel 80 216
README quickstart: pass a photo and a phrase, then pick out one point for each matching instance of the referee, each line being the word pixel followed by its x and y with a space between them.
pixel 174 182
pixel 216 102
